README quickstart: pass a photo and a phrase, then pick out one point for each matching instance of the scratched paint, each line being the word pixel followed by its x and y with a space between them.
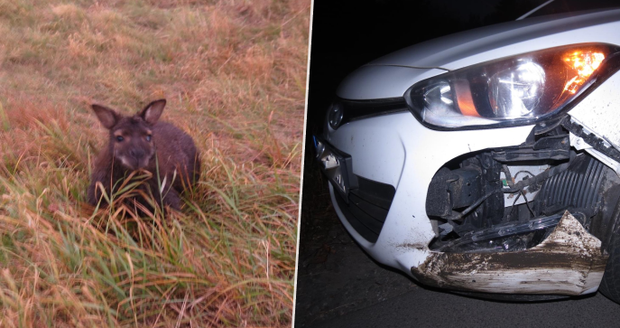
pixel 569 262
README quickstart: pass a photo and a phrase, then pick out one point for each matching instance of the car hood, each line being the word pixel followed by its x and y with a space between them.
pixel 467 48
pixel 390 76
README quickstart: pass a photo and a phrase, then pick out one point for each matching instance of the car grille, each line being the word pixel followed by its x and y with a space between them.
pixel 355 110
pixel 367 207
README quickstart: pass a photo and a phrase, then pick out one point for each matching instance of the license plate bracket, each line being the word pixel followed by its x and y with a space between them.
pixel 336 166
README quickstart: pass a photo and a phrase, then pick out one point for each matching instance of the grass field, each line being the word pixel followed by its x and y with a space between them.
pixel 234 75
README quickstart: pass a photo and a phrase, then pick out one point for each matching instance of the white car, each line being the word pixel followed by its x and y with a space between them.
pixel 489 160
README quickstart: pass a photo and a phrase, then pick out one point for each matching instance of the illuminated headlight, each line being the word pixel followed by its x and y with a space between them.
pixel 515 92
pixel 511 91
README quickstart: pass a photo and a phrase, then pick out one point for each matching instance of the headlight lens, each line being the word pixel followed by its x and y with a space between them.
pixel 511 91
pixel 515 92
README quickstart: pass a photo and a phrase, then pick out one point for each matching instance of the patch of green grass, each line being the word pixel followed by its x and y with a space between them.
pixel 233 73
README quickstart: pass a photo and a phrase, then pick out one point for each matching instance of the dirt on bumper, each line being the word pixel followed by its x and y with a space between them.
pixel 569 262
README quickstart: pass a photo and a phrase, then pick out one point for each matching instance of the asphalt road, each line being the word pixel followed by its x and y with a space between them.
pixel 340 286
pixel 423 308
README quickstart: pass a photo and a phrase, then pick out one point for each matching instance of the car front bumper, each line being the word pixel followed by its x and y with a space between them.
pixel 396 151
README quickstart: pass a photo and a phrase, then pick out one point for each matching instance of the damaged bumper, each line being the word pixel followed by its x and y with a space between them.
pixel 568 262
pixel 547 239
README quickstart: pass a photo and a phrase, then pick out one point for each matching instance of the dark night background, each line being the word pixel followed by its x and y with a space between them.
pixel 345 35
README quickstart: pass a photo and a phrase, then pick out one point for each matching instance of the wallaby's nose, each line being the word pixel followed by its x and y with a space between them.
pixel 136 153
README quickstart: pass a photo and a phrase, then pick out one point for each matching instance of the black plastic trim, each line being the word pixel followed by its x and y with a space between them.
pixel 361 109
pixel 367 207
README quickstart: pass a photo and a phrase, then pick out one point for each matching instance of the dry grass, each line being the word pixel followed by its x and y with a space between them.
pixel 234 76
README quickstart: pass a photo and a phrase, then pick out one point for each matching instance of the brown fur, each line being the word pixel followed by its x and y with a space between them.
pixel 129 149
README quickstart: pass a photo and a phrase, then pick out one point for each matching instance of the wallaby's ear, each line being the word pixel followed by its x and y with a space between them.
pixel 108 117
pixel 152 111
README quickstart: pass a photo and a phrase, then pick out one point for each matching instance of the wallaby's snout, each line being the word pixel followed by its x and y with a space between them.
pixel 141 142
pixel 139 157
pixel 137 153
pixel 136 158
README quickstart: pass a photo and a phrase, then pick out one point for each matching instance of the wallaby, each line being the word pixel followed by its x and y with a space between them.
pixel 140 142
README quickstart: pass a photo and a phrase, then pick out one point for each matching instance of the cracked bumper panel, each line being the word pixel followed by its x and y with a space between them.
pixel 394 149
pixel 597 118
pixel 569 261
pixel 599 112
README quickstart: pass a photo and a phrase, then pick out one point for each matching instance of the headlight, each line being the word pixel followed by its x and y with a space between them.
pixel 511 91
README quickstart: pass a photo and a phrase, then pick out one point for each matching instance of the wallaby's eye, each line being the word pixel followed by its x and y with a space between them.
pixel 148 138
pixel 119 138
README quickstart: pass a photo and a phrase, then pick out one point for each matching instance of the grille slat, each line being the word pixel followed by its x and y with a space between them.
pixel 375 212
pixel 367 207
